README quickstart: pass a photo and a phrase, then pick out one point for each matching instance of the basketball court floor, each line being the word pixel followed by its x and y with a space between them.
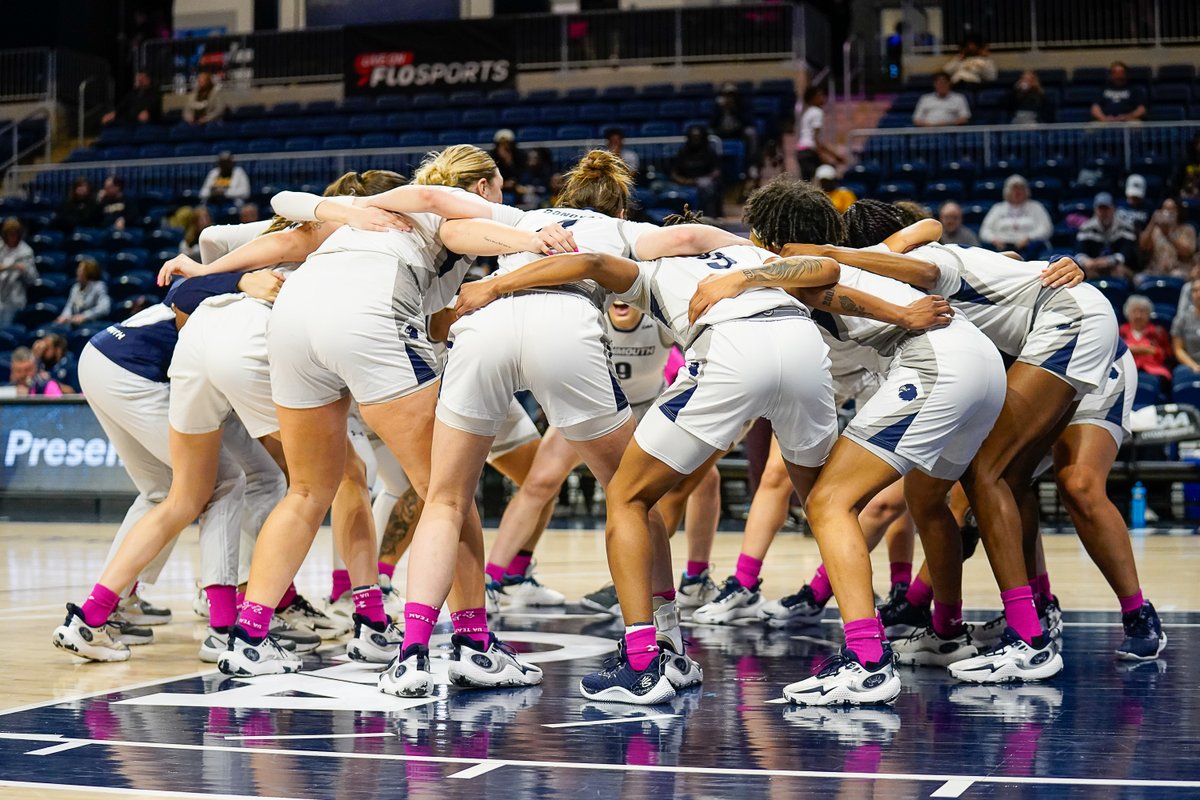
pixel 166 725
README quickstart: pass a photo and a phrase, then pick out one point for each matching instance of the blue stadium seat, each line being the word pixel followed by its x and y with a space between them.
pixel 598 113
pixel 1047 190
pixel 973 213
pixel 131 283
pixel 777 86
pixel 455 136
pixel 357 105
pixel 556 115
pixel 36 315
pixel 436 120
pixel 257 127
pixel 136 258
pixel 1075 114
pixel 637 111
pixel 569 132
pixel 344 142
pixel 392 102
pixel 867 173
pixel 765 107
pixel 676 109
pixel 677 197
pixel 1090 75
pixel 913 171
pixel 658 129
pixel 115 240
pixel 291 110
pixel 1055 76
pixel 891 191
pixel 963 170
pixel 1177 72
pixel 145 134
pixel 899 120
pixel 518 116
pixel 535 133
pixel 1079 95
pixel 498 97
pixel 619 92
pixel 190 150
pixel 428 100
pixel 1160 289
pixel 941 191
pixel 416 139
pixel 121 153
pixel 164 238
pixel 1171 93
pixel 82 154
pixel 1063 238
pixel 366 123
pixel 49 261
pixel 402 121
pixel 697 89
pixel 541 96
pixel 1168 113
pixel 84 239
pixel 1056 166
pixel 115 134
pixel 53 240
pixel 658 91
pixel 1002 168
pixel 1149 392
pixel 378 140
pixel 1115 289
pixel 1164 314
pixel 301 144
pixel 581 94
pixel 480 117
pixel 987 189
pixel 1153 164
pixel 905 103
pixel 265 146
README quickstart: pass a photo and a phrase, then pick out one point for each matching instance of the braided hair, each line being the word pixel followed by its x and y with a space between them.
pixel 787 211
pixel 869 222
pixel 685 217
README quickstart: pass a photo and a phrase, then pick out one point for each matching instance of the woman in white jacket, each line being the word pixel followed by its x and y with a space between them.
pixel 1018 223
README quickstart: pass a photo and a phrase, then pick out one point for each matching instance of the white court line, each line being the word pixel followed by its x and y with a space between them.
pixel 482 768
pixel 952 788
pixel 310 736
pixel 116 689
pixel 56 748
pixel 578 765
pixel 616 721
pixel 74 787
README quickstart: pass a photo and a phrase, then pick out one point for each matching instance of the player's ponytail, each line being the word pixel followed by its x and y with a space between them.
pixel 602 181
pixel 869 222
pixel 788 211
pixel 461 166
pixel 352 184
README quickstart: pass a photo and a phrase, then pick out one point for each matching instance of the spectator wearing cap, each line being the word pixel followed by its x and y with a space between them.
pixel 615 141
pixel 205 103
pixel 953 230
pixel 226 182
pixel 941 107
pixel 1018 223
pixel 1119 102
pixel 841 197
pixel 1133 209
pixel 1107 247
pixel 142 105
pixel 17 270
pixel 508 157
pixel 1167 244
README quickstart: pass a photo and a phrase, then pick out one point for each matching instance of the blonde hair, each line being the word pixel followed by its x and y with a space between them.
pixel 461 165
pixel 354 184
pixel 601 180
pixel 12 225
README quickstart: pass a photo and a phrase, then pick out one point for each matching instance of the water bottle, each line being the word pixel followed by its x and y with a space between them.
pixel 1137 506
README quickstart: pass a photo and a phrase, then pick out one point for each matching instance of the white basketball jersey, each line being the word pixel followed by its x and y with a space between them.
pixel 639 357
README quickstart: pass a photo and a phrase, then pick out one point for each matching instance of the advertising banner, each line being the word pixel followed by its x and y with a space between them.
pixel 428 57
pixel 57 447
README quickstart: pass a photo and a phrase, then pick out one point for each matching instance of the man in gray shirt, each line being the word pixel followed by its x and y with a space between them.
pixel 953 230
pixel 941 107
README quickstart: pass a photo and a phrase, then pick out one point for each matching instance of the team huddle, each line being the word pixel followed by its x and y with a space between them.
pixel 260 405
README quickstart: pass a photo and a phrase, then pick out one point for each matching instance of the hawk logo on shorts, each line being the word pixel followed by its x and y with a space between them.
pixel 908 392
pixel 693 368
pixel 1113 374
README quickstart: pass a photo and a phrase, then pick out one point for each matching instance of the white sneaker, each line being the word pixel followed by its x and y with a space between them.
pixel 800 608
pixel 246 659
pixel 374 646
pixel 695 591
pixel 525 591
pixel 989 633
pixel 141 612
pixel 476 666
pixel 342 607
pixel 94 644
pixel 1012 659
pixel 393 601
pixel 297 640
pixel 681 670
pixel 200 602
pixel 733 603
pixel 214 644
pixel 843 680
pixel 127 632
pixel 407 674
pixel 1051 619
pixel 603 600
pixel 303 615
pixel 925 647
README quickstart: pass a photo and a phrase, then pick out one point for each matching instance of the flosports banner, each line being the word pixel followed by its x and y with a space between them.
pixel 428 57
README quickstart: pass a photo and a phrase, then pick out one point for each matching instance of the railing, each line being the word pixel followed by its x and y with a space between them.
pixel 544 42
pixel 12 151
pixel 1050 24
pixel 1124 143
pixel 316 168
pixel 26 75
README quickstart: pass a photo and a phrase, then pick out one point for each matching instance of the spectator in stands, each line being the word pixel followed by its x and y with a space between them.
pixel 1185 331
pixel 1119 102
pixel 17 270
pixel 811 149
pixel 1167 245
pixel 536 178
pixel 1107 247
pixel 193 224
pixel 1149 343
pixel 25 380
pixel 116 210
pixel 80 208
pixel 508 157
pixel 697 164
pixel 1186 180
pixel 142 105
pixel 773 162
pixel 941 107
pixel 1027 102
pixel 1185 294
pixel 733 119
pixel 973 64
pixel 841 197
pixel 205 104
pixel 1018 223
pixel 88 298
pixel 953 230
pixel 911 212
pixel 248 213
pixel 1133 209
pixel 615 138
pixel 226 182
pixel 56 362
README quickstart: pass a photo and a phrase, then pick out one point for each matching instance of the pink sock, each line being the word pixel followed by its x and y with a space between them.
pixel 1041 589
pixel 668 595
pixel 472 623
pixel 255 620
pixel 99 605
pixel 387 569
pixel 341 584
pixel 919 594
pixel 289 595
pixel 222 605
pixel 747 570
pixel 820 585
pixel 495 572
pixel 901 572
pixel 640 645
pixel 1132 603
pixel 947 619
pixel 864 639
pixel 368 602
pixel 419 620
pixel 520 563
pixel 696 568
pixel 1020 612
pixel 240 599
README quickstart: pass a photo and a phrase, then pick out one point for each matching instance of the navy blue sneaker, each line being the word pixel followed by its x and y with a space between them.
pixel 619 682
pixel 901 618
pixel 1144 637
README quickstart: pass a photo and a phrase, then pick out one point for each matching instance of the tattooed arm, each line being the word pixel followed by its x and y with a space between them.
pixel 907 269
pixel 400 526
pixel 781 273
pixel 924 314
